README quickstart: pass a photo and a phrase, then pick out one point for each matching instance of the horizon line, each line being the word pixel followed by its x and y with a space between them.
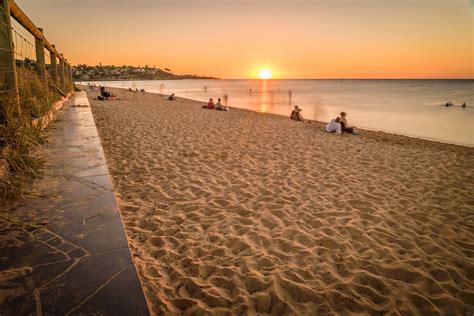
pixel 339 79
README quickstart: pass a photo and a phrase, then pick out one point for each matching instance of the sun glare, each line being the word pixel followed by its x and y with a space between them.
pixel 265 74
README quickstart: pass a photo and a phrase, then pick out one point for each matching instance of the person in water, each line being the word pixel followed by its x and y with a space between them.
pixel 210 105
pixel 334 126
pixel 344 126
pixel 221 107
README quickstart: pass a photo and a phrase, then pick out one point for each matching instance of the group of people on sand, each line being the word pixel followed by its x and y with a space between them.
pixel 136 90
pixel 218 105
pixel 339 125
pixel 210 104
pixel 296 114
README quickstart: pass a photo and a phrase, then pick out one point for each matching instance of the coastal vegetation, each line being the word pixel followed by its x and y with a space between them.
pixel 19 138
pixel 85 72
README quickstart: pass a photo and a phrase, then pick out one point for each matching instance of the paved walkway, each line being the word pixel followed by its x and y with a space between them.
pixel 63 248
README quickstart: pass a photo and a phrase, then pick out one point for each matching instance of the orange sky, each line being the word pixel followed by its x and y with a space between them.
pixel 293 38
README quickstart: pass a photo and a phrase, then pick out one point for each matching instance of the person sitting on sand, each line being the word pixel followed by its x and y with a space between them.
pixel 296 114
pixel 172 97
pixel 464 105
pixel 130 90
pixel 344 126
pixel 106 95
pixel 334 126
pixel 209 105
pixel 220 107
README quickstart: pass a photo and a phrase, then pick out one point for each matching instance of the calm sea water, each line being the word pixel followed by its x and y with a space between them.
pixel 408 107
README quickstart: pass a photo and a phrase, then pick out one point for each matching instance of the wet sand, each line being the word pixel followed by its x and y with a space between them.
pixel 243 212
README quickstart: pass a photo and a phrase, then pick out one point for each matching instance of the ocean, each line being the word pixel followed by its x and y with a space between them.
pixel 408 107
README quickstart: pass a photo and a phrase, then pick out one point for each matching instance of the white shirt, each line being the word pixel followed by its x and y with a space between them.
pixel 333 127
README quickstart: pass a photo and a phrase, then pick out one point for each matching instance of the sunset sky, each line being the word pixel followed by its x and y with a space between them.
pixel 292 38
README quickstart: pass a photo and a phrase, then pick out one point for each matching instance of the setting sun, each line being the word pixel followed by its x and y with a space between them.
pixel 265 74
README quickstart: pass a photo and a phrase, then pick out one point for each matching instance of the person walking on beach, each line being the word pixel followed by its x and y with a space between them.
pixel 334 126
pixel 344 126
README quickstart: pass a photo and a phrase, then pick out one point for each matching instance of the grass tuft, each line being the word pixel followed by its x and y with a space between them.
pixel 19 140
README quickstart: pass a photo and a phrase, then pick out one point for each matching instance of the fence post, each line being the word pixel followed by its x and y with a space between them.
pixel 61 74
pixel 71 76
pixel 54 66
pixel 40 62
pixel 66 73
pixel 7 52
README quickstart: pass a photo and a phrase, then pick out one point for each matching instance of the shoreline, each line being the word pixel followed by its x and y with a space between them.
pixel 363 129
pixel 242 213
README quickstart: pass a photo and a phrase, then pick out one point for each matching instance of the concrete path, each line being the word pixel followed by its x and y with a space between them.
pixel 63 248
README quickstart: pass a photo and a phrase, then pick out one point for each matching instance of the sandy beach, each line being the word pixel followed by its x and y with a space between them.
pixel 247 213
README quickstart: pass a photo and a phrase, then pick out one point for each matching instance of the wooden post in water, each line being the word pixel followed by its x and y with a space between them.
pixel 7 53
pixel 40 62
pixel 54 66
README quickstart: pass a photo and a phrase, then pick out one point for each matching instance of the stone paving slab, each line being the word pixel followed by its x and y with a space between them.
pixel 63 249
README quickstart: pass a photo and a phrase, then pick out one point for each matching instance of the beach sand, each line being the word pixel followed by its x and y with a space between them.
pixel 248 213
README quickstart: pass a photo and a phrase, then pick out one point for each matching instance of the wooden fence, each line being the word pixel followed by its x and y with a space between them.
pixel 22 42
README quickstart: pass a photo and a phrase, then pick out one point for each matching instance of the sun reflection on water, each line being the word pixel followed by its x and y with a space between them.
pixel 264 100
